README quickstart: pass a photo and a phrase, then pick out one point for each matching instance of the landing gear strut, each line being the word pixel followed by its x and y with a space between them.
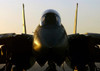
pixel 51 67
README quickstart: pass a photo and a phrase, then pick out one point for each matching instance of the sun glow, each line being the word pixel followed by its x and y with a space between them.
pixel 37 45
pixel 1 46
pixel 1 49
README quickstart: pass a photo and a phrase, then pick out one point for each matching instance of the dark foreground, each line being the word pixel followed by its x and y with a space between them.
pixel 36 67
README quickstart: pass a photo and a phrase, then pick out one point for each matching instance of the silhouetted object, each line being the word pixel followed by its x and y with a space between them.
pixel 51 67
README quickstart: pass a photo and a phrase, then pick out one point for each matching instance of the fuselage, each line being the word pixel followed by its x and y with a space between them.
pixel 50 43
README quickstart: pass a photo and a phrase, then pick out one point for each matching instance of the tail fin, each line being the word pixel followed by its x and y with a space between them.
pixel 24 23
pixel 75 22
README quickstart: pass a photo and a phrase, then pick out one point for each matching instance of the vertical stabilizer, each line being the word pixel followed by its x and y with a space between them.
pixel 24 23
pixel 75 22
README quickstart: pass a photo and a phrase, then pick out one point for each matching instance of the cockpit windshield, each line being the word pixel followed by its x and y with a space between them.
pixel 50 17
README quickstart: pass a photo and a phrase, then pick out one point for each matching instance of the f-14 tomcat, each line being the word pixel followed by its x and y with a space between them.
pixel 50 43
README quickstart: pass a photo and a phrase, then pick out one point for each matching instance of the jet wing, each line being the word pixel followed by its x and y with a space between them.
pixel 84 48
pixel 95 37
pixel 16 48
pixel 3 40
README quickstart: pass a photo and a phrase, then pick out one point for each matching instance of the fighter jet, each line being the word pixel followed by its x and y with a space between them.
pixel 50 43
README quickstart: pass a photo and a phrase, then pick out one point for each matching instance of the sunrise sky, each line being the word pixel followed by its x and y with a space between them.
pixel 11 14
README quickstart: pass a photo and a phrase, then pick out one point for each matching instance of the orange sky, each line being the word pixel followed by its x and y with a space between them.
pixel 11 14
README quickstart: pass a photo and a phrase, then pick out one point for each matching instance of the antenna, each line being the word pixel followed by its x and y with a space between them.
pixel 75 22
pixel 24 23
